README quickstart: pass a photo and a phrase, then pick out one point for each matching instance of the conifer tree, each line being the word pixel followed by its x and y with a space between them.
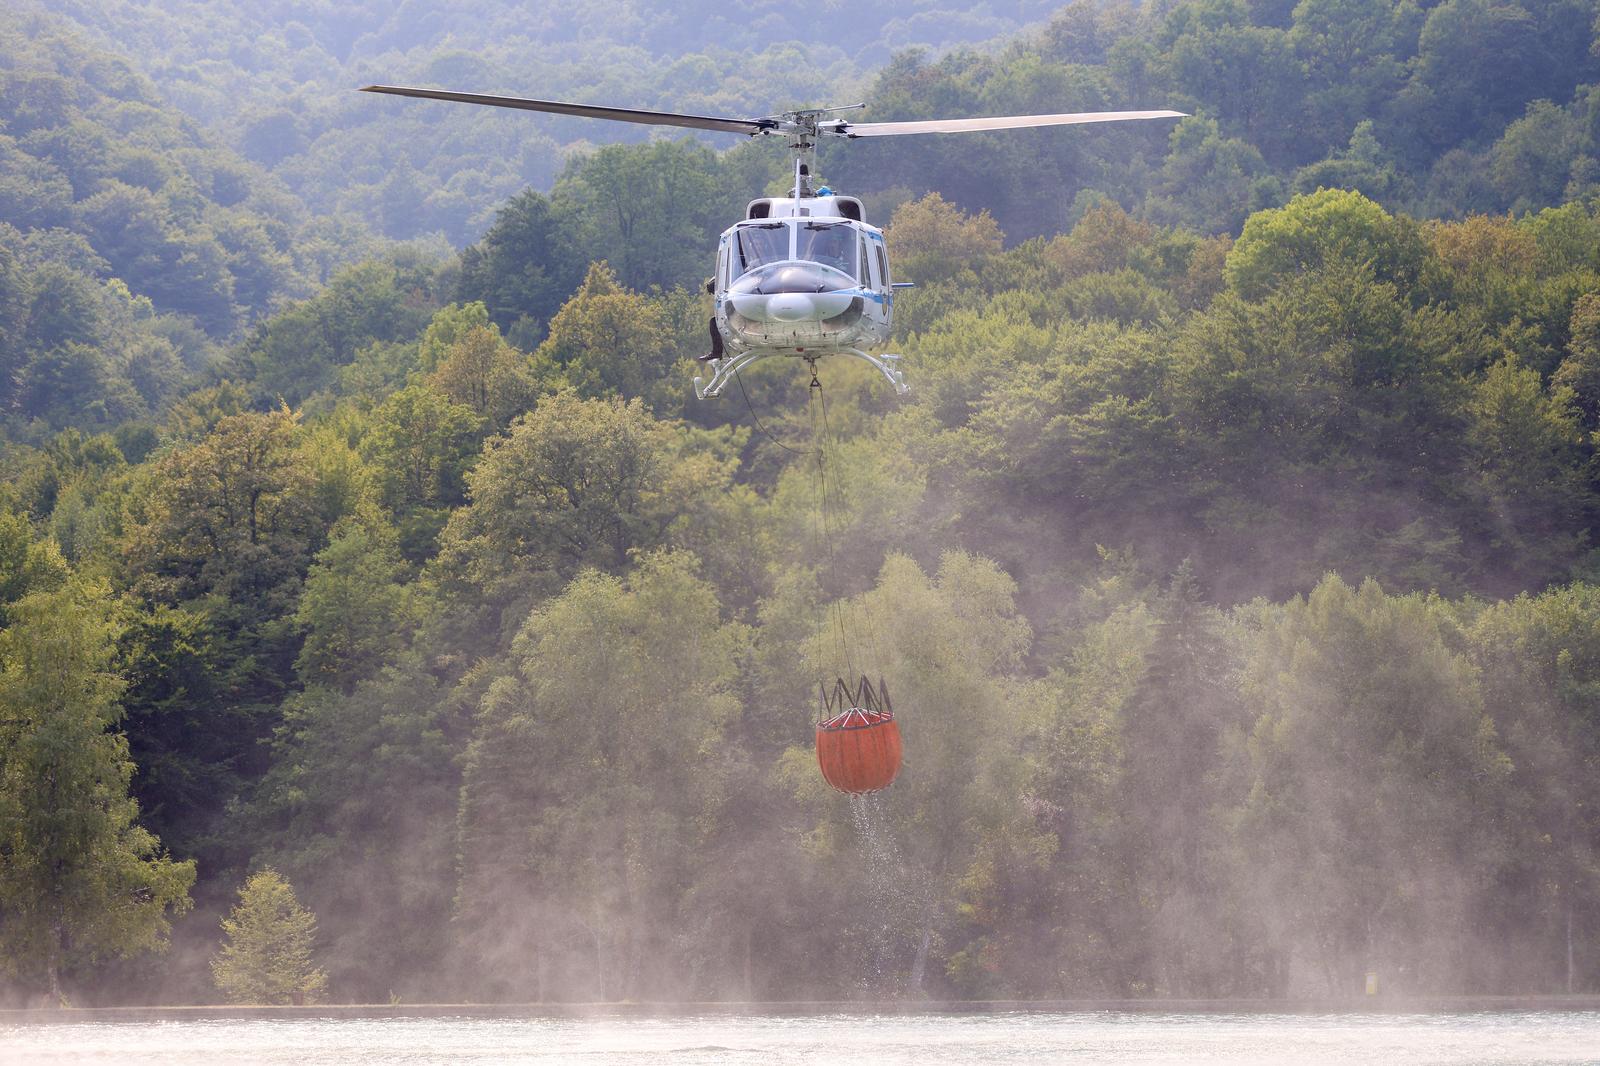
pixel 267 957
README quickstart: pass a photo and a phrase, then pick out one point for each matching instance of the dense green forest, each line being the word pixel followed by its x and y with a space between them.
pixel 1230 561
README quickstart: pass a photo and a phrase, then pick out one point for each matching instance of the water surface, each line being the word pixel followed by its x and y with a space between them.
pixel 1112 1037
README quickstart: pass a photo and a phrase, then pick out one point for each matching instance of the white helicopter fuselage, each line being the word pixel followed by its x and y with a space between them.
pixel 803 277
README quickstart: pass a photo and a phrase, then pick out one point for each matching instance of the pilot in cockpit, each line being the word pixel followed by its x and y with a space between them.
pixel 832 244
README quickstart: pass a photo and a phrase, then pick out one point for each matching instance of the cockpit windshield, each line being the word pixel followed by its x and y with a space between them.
pixel 829 243
pixel 760 245
pixel 832 244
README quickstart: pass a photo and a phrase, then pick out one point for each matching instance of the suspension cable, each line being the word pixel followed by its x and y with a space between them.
pixel 820 435
pixel 757 419
pixel 836 503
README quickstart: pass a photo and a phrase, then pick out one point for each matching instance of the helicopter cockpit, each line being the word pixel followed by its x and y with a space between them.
pixel 828 243
pixel 795 256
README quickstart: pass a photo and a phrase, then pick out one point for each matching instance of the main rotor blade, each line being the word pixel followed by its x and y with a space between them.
pixel 1002 122
pixel 616 114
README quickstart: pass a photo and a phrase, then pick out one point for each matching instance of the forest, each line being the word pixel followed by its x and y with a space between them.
pixel 1231 560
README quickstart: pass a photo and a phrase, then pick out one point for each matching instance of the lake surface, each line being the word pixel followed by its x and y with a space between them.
pixel 1115 1037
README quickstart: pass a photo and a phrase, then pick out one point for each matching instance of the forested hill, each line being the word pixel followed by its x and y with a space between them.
pixel 1231 560
pixel 131 242
pixel 1434 108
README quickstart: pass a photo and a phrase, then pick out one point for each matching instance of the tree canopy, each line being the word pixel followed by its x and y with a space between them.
pixel 1231 562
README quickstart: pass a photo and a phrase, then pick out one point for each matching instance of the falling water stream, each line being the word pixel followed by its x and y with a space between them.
pixel 888 904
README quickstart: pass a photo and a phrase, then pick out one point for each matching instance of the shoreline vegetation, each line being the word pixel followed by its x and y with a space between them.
pixel 1233 561
pixel 1379 1004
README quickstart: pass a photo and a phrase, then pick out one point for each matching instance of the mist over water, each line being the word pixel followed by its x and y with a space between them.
pixel 1230 561
pixel 1499 1039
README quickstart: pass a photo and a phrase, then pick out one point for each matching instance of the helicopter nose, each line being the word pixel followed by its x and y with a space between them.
pixel 791 307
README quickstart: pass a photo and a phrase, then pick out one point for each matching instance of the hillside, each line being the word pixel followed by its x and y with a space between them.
pixel 1232 560
pixel 1438 109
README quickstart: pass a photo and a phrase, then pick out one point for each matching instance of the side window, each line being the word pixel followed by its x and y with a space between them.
pixel 883 265
pixel 866 265
pixel 722 264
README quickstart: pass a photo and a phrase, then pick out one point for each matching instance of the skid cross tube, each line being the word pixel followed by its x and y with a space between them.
pixel 723 369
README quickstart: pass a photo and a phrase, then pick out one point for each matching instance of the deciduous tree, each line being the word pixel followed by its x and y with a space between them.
pixel 79 879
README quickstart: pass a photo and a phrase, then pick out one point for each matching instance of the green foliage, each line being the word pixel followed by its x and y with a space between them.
pixel 266 958
pixel 574 483
pixel 649 210
pixel 91 148
pixel 360 808
pixel 299 352
pixel 79 880
pixel 524 267
pixel 188 734
pixel 1319 229
pixel 421 446
pixel 438 608
pixel 596 758
pixel 610 341
pixel 485 374
pixel 354 608
pixel 1359 856
pixel 27 564
pixel 231 513
pixel 932 240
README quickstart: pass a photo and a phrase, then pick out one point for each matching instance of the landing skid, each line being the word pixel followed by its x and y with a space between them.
pixel 724 369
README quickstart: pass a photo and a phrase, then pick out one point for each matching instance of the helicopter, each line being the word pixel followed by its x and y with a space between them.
pixel 802 275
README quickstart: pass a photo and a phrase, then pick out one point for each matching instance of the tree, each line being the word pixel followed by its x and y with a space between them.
pixel 360 810
pixel 192 744
pixel 1172 728
pixel 593 771
pixel 574 483
pixel 27 563
pixel 1527 445
pixel 1315 229
pixel 1540 661
pixel 1580 370
pixel 948 649
pixel 933 239
pixel 300 350
pixel 1368 787
pixel 354 608
pixel 233 512
pixel 610 341
pixel 650 210
pixel 1211 182
pixel 1349 48
pixel 481 371
pixel 421 446
pixel 1247 72
pixel 267 956
pixel 79 880
pixel 524 266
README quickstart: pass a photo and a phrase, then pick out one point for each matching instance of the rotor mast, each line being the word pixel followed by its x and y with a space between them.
pixel 803 128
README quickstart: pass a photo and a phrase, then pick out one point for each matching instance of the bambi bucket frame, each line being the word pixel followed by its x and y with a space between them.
pixel 858 746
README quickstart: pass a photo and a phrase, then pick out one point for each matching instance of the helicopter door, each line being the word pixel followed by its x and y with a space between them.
pixel 873 275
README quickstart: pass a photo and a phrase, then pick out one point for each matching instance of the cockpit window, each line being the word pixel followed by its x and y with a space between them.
pixel 759 245
pixel 829 243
